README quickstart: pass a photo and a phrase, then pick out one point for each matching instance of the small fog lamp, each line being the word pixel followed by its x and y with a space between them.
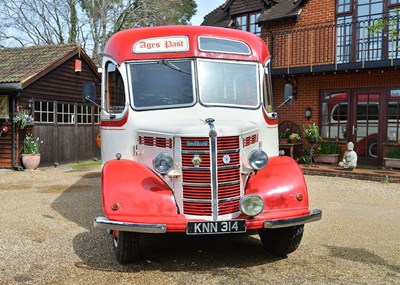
pixel 163 163
pixel 251 205
pixel 258 159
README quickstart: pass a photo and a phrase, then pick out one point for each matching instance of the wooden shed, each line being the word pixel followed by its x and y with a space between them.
pixel 46 83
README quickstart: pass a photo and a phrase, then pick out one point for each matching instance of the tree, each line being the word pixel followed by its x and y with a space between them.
pixel 88 22
pixel 388 26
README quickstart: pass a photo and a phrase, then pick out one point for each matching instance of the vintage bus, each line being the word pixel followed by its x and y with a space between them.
pixel 189 140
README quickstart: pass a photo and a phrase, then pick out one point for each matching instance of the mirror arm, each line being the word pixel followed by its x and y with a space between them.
pixel 94 103
pixel 284 102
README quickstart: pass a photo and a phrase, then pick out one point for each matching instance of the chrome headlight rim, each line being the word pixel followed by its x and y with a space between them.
pixel 248 207
pixel 257 159
pixel 163 163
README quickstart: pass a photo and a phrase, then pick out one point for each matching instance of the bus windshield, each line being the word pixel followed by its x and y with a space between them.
pixel 227 83
pixel 170 83
pixel 162 84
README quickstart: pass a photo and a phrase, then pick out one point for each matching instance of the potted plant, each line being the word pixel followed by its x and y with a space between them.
pixel 294 138
pixel 327 152
pixel 31 152
pixel 312 133
pixel 392 157
pixel 284 137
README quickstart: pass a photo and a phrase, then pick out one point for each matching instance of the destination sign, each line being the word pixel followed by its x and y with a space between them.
pixel 162 45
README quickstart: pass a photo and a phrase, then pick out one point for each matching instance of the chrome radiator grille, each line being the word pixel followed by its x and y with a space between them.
pixel 197 185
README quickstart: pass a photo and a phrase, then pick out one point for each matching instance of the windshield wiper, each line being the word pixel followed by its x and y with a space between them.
pixel 174 67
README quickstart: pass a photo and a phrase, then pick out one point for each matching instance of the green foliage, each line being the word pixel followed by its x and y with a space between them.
pixel 327 148
pixel 284 134
pixel 31 145
pixel 390 25
pixel 305 158
pixel 394 152
pixel 312 131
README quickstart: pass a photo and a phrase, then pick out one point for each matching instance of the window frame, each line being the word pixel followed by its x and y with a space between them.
pixel 356 44
pixel 39 113
pixel 248 25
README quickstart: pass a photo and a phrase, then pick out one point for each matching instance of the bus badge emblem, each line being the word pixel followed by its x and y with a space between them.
pixel 226 159
pixel 196 160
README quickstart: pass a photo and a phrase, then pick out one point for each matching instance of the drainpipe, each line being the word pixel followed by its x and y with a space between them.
pixel 14 134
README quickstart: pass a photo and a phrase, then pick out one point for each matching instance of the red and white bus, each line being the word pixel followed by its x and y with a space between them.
pixel 189 140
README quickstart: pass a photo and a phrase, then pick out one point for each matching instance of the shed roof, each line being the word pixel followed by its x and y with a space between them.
pixel 22 66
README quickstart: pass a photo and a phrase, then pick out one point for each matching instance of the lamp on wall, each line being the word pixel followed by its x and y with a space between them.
pixel 30 103
pixel 308 113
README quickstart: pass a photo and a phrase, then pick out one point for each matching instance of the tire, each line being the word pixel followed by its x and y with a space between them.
pixel 281 241
pixel 372 148
pixel 125 246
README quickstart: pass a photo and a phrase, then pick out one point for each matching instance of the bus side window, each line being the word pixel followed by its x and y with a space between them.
pixel 114 91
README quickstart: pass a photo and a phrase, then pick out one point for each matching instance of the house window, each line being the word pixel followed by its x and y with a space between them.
pixel 65 113
pixel 355 42
pixel 248 22
pixel 334 115
pixel 43 112
pixel 393 38
pixel 344 6
pixel 393 128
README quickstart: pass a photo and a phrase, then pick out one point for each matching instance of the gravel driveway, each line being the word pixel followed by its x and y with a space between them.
pixel 47 237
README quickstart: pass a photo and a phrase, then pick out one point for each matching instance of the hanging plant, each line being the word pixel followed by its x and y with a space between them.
pixel 22 120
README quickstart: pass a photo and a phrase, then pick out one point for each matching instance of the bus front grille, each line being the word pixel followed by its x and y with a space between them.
pixel 198 193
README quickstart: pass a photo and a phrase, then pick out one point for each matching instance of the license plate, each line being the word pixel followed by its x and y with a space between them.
pixel 220 227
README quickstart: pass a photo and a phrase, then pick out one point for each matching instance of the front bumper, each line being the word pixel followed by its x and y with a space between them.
pixel 104 223
pixel 315 215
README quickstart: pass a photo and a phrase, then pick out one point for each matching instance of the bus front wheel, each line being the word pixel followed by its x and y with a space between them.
pixel 125 246
pixel 281 241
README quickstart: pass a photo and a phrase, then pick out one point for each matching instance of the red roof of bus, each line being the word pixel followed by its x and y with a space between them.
pixel 120 45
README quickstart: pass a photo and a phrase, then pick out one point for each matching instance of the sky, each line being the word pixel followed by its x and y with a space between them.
pixel 203 8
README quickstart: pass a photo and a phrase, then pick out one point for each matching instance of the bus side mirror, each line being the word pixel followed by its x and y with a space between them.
pixel 288 93
pixel 89 92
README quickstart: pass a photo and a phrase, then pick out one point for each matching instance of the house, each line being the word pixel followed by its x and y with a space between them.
pixel 46 82
pixel 345 77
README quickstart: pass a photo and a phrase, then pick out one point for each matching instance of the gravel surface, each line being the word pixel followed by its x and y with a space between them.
pixel 47 237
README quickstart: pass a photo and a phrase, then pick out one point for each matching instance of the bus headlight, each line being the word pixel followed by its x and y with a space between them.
pixel 251 205
pixel 163 163
pixel 258 159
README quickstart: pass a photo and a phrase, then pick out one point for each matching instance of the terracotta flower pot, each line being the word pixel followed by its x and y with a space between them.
pixel 31 161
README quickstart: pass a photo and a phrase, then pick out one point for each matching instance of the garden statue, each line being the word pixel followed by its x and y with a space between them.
pixel 350 158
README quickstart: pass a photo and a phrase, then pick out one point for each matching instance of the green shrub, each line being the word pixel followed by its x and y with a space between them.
pixel 327 148
pixel 394 152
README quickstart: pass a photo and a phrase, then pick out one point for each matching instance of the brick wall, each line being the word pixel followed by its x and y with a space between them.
pixel 304 42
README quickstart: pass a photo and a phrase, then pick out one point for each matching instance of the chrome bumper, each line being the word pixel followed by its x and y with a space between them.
pixel 315 215
pixel 104 223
